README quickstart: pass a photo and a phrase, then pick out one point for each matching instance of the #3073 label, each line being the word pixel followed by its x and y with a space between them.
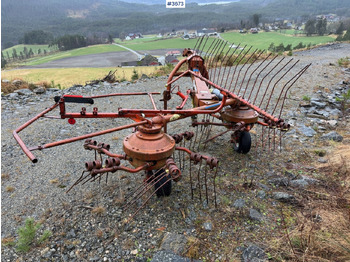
pixel 175 4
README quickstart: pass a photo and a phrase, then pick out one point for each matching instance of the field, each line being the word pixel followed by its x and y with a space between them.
pixel 67 77
pixel 262 40
pixel 70 76
pixel 95 49
pixel 35 48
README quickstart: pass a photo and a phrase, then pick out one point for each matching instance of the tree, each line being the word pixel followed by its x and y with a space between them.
pixel 37 37
pixel 310 27
pixel 256 19
pixel 321 26
pixel 122 36
pixel 14 54
pixel 340 29
pixel 3 61
pixel 110 39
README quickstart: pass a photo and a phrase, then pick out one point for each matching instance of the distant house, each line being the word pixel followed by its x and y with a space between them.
pixel 186 37
pixel 133 36
pixel 170 59
pixel 254 30
pixel 207 32
pixel 173 53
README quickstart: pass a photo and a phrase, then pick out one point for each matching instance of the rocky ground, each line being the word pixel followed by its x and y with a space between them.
pixel 287 205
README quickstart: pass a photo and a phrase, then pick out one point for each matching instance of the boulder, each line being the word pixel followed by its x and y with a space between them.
pixel 332 136
pixel 254 253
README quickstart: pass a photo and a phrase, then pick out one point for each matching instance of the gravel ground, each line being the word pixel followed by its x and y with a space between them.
pixel 88 223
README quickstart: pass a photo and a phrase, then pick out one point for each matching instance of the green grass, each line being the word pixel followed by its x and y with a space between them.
pixel 262 40
pixel 35 48
pixel 95 49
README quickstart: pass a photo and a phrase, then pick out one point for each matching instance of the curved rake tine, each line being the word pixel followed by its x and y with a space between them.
pixel 215 175
pixel 251 64
pixel 147 183
pixel 77 181
pixel 209 52
pixel 194 48
pixel 205 43
pixel 239 72
pixel 297 76
pixel 239 61
pixel 262 80
pixel 199 181
pixel 141 187
pixel 228 60
pixel 233 65
pixel 138 196
pixel 199 45
pixel 257 77
pixel 217 61
pixel 143 205
pixel 274 86
pixel 214 57
pixel 268 86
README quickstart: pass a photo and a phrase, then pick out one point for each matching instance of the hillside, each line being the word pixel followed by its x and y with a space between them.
pixel 104 17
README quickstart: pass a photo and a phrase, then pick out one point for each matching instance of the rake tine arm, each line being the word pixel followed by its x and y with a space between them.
pixel 25 149
pixel 74 139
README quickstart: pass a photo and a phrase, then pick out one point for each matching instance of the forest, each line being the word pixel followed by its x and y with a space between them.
pixel 106 17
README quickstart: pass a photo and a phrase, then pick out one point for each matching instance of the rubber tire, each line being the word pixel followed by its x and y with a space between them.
pixel 165 190
pixel 244 143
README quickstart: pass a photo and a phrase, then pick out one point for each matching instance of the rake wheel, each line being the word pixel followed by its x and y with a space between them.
pixel 243 143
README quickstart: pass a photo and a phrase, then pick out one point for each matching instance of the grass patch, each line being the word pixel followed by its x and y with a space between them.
pixel 262 40
pixel 66 77
pixel 35 48
pixel 94 49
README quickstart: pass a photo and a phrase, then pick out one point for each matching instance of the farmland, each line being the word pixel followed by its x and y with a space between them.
pixel 69 76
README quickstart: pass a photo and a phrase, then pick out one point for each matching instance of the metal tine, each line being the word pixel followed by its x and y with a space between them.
pixel 213 59
pixel 228 74
pixel 146 201
pixel 199 45
pixel 138 196
pixel 217 61
pixel 142 186
pixel 205 183
pixel 241 68
pixel 214 179
pixel 78 181
pixel 212 53
pixel 145 185
pixel 228 60
pixel 262 80
pixel 234 73
pixel 274 86
pixel 257 76
pixel 251 64
pixel 194 48
pixel 205 43
pixel 199 180
pixel 209 52
pixel 268 86
pixel 191 182
pixel 296 76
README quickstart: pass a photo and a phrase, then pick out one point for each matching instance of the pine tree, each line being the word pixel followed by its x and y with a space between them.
pixel 3 61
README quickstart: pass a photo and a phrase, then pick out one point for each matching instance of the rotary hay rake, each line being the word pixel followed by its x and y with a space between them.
pixel 231 87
